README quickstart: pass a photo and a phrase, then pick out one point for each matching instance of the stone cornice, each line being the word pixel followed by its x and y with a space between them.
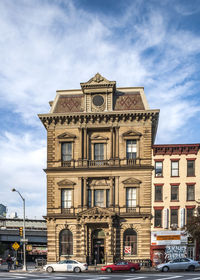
pixel 98 117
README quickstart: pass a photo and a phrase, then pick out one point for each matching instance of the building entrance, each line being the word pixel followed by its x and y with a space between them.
pixel 98 246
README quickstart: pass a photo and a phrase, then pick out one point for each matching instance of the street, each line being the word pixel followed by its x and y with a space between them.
pixel 101 276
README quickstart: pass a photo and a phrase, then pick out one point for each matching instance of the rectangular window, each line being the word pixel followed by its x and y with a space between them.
pixel 174 216
pixel 190 192
pixel 190 168
pixel 66 197
pixel 174 168
pixel 190 213
pixel 99 151
pixel 158 218
pixel 158 169
pixel 131 149
pixel 131 197
pixel 174 193
pixel 66 150
pixel 107 198
pixel 99 198
pixel 158 193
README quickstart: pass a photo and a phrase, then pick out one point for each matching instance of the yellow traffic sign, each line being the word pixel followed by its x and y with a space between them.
pixel 15 246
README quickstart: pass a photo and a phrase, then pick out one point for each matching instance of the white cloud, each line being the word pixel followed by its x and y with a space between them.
pixel 22 159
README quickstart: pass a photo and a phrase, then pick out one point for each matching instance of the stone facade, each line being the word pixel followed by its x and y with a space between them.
pixel 106 173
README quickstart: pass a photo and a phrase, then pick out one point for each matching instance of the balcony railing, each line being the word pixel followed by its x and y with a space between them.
pixel 105 163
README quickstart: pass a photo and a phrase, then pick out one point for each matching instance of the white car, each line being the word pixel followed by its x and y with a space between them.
pixel 66 265
pixel 176 264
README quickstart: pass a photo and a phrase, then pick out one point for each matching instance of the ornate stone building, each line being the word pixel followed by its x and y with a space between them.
pixel 99 172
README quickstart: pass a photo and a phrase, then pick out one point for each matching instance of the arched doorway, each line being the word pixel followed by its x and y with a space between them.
pixel 98 246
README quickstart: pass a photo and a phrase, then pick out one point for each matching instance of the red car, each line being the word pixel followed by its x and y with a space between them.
pixel 121 266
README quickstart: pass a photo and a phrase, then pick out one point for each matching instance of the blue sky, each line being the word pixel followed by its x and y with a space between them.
pixel 51 45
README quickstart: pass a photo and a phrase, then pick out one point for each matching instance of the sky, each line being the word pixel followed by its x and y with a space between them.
pixel 47 45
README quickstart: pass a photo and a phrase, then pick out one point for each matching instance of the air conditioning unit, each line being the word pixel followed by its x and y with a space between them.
pixel 174 226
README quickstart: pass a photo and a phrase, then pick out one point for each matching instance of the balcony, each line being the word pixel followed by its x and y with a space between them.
pixel 85 163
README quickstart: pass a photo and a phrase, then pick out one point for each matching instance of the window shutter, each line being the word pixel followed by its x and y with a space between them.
pixel 166 218
pixel 182 218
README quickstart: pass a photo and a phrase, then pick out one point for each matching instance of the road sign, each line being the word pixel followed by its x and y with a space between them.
pixel 127 250
pixel 24 240
pixel 15 246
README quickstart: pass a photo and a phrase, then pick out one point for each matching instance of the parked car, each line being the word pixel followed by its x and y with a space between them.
pixel 176 264
pixel 121 266
pixel 66 265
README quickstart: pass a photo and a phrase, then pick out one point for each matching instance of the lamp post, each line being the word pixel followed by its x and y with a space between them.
pixel 24 234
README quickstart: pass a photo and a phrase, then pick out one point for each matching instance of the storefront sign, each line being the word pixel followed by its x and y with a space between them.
pixel 168 237
pixel 127 250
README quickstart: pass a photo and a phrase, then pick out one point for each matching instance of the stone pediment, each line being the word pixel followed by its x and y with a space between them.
pixel 66 182
pixel 96 82
pixel 99 137
pixel 66 135
pixel 96 212
pixel 131 181
pixel 99 182
pixel 131 133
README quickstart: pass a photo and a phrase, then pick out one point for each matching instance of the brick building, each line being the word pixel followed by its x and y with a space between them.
pixel 175 198
pixel 99 172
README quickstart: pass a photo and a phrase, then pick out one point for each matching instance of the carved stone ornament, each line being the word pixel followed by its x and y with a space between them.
pixel 66 135
pixel 131 181
pixel 131 133
pixel 98 79
pixel 99 182
pixel 66 182
pixel 96 212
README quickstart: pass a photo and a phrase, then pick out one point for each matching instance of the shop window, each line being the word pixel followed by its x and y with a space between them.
pixel 190 192
pixel 174 217
pixel 99 198
pixel 158 169
pixel 131 197
pixel 131 149
pixel 174 193
pixel 66 151
pixel 130 242
pixel 66 243
pixel 158 218
pixel 190 167
pixel 174 168
pixel 158 193
pixel 66 198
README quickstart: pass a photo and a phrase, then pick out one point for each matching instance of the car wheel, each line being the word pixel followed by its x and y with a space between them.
pixel 191 268
pixel 165 269
pixel 132 269
pixel 77 269
pixel 49 269
pixel 109 269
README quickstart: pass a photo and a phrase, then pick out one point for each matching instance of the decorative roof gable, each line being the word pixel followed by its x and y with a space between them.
pixel 99 137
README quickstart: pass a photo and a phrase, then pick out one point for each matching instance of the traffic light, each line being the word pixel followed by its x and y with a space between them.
pixel 21 231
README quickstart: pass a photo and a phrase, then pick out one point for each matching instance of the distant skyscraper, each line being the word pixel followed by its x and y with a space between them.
pixel 3 210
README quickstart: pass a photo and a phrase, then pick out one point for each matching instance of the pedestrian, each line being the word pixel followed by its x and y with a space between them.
pixel 9 262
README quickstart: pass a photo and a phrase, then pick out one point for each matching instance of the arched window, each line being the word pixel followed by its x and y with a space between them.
pixel 130 242
pixel 66 242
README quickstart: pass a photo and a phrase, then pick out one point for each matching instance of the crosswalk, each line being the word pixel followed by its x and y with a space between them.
pixel 92 276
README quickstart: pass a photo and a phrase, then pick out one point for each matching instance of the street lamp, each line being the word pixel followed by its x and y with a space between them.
pixel 24 241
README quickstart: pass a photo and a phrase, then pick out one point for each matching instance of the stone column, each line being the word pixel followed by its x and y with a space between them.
pixel 81 143
pixel 92 197
pixel 110 243
pixel 111 143
pixel 111 191
pixel 117 141
pixel 85 144
pixel 85 192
